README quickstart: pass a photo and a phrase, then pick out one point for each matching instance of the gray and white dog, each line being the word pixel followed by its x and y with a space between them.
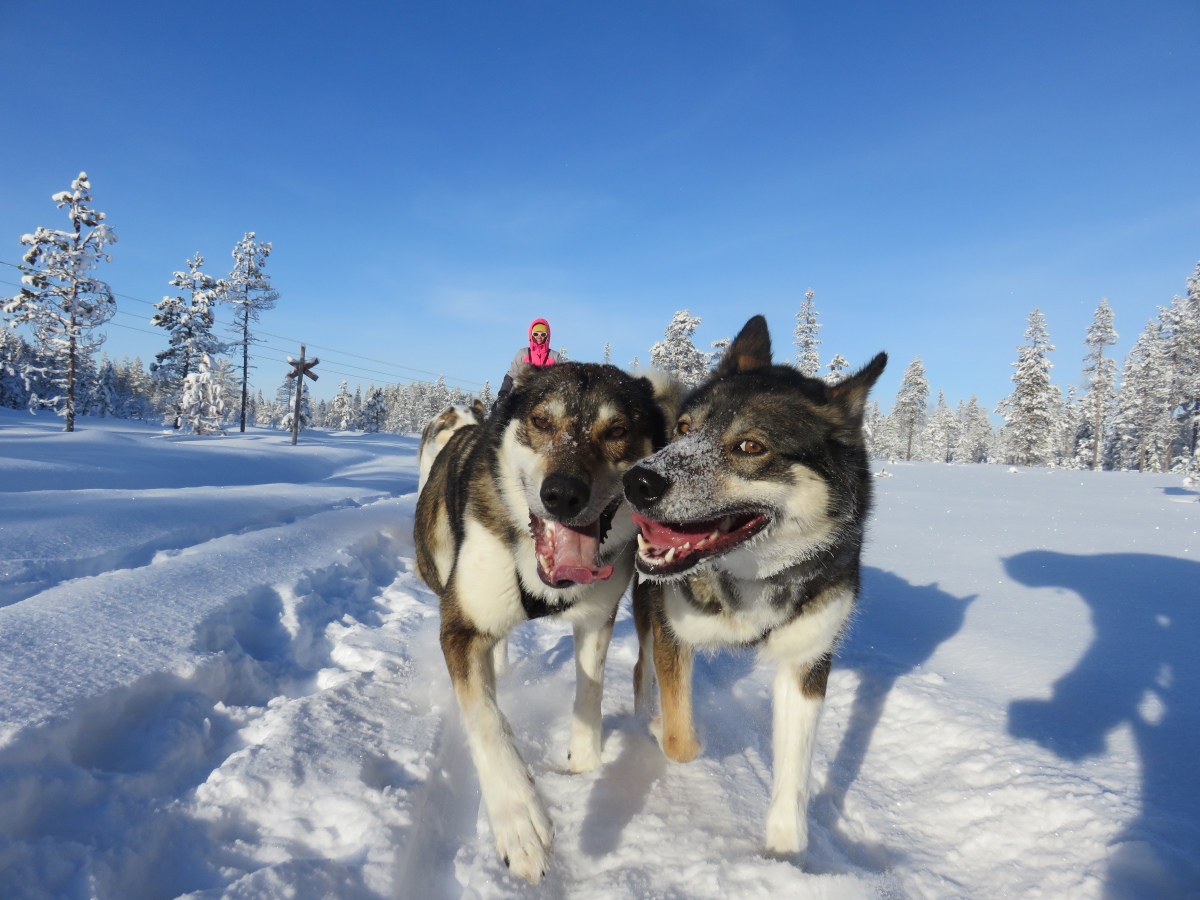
pixel 523 516
pixel 751 524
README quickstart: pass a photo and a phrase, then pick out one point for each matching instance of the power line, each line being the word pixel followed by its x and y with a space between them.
pixel 348 365
pixel 285 350
pixel 260 356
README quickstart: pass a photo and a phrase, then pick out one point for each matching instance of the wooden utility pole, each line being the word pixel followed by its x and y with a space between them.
pixel 301 368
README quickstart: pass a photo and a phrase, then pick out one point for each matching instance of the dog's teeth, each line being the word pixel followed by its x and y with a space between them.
pixel 670 557
pixel 643 544
pixel 544 562
pixel 716 534
pixel 726 524
pixel 687 545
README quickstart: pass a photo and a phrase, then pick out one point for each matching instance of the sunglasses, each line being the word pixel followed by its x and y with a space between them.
pixel 540 335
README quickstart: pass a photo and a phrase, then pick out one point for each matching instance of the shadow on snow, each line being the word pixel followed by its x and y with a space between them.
pixel 1141 670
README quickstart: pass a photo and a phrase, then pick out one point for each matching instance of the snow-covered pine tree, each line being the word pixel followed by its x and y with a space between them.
pixel 1029 435
pixel 60 302
pixel 86 377
pixel 836 366
pixel 248 290
pixel 225 376
pixel 201 405
pixel 1064 421
pixel 436 400
pixel 15 362
pixel 878 430
pixel 415 398
pixel 487 398
pixel 401 414
pixel 105 397
pixel 189 323
pixel 1100 373
pixel 908 412
pixel 941 435
pixel 320 413
pixel 975 434
pixel 375 411
pixel 808 358
pixel 257 405
pixel 289 416
pixel 676 353
pixel 1181 329
pixel 1143 425
pixel 719 347
pixel 607 353
pixel 340 416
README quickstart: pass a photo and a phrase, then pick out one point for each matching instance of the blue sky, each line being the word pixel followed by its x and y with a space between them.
pixel 434 176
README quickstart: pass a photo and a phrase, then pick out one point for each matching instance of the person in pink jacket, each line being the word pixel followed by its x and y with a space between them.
pixel 537 353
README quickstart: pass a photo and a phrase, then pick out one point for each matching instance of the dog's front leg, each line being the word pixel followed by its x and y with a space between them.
pixel 799 696
pixel 591 649
pixel 673 663
pixel 645 594
pixel 520 824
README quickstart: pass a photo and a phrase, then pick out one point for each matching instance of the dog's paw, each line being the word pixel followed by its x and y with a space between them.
pixel 583 751
pixel 524 836
pixel 787 832
pixel 678 746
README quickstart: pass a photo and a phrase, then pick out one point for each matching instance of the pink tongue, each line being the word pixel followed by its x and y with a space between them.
pixel 661 535
pixel 575 557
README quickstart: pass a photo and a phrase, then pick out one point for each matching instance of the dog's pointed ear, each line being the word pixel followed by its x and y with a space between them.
pixel 852 392
pixel 750 350
pixel 478 408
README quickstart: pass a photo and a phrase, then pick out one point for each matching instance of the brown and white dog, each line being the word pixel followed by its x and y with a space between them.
pixel 523 516
pixel 438 432
pixel 751 529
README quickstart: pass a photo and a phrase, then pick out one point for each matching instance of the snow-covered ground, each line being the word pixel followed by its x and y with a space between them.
pixel 221 678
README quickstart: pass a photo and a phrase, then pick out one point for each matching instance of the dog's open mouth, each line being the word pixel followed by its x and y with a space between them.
pixel 569 555
pixel 667 548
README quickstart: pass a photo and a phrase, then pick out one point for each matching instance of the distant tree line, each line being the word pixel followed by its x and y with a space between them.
pixel 1146 420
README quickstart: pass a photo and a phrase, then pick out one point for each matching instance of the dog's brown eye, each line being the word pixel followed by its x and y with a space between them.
pixel 683 427
pixel 541 423
pixel 616 432
pixel 751 448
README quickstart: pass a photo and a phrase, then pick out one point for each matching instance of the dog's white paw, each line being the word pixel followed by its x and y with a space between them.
pixel 524 836
pixel 787 831
pixel 583 751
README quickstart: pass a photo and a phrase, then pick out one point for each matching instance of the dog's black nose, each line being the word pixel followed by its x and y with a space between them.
pixel 643 486
pixel 564 496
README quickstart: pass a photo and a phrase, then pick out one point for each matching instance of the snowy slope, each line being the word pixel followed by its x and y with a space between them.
pixel 222 679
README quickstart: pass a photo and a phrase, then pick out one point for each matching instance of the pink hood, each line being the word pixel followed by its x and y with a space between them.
pixel 539 354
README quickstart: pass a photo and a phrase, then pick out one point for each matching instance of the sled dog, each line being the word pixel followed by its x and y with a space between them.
pixel 523 516
pixel 751 527
pixel 439 430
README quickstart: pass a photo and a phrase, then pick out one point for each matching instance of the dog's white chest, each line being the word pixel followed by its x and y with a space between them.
pixel 789 636
pixel 753 618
